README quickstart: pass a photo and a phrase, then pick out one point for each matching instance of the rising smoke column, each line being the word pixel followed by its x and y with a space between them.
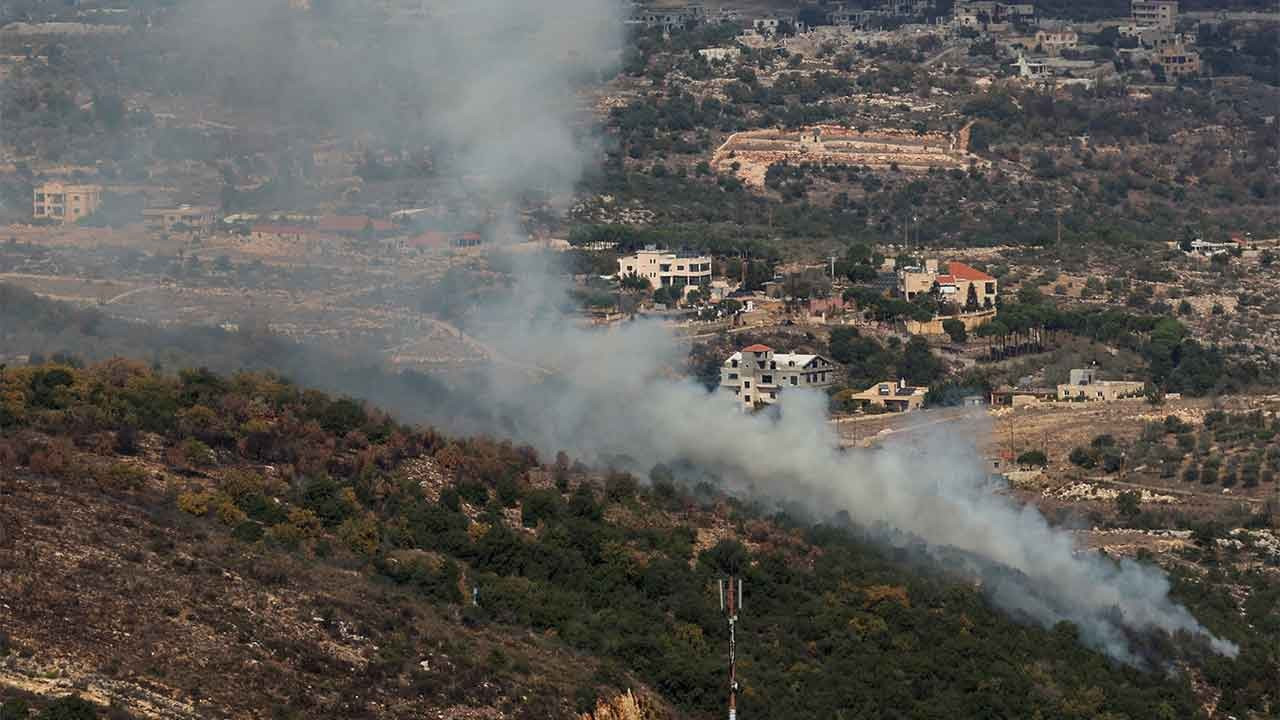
pixel 613 398
pixel 497 79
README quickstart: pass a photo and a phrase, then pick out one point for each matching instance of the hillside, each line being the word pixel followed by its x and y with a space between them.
pixel 241 547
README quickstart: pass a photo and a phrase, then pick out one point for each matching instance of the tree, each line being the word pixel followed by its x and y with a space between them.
pixel 633 281
pixel 1033 458
pixel 1129 504
pixel 955 328
pixel 1083 458
pixel 919 365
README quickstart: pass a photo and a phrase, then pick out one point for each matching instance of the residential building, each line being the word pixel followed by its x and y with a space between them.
pixel 983 14
pixel 663 268
pixel 896 396
pixel 757 375
pixel 1084 384
pixel 1177 61
pixel 1053 42
pixel 670 19
pixel 964 286
pixel 185 217
pixel 1155 13
pixel 275 231
pixel 65 203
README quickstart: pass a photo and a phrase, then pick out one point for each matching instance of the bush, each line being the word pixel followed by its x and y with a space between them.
pixel 473 492
pixel 1083 458
pixel 1033 458
pixel 69 708
pixel 508 491
pixel 1112 462
pixel 620 487
pixel 14 709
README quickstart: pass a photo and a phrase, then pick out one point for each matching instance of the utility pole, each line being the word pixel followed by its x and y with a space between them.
pixel 730 603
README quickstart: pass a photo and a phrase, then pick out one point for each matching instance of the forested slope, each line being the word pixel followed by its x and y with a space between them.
pixel 239 545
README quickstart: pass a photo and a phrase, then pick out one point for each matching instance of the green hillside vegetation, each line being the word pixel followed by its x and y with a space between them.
pixel 588 563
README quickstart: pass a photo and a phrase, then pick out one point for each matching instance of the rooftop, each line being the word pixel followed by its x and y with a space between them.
pixel 967 272
pixel 757 348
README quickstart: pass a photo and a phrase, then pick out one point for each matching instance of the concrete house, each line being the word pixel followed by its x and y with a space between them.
pixel 1084 384
pixel 65 203
pixel 1162 14
pixel 758 375
pixel 894 396
pixel 963 285
pixel 665 269
pixel 196 219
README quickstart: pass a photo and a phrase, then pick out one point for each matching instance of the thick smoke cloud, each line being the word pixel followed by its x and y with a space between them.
pixel 494 82
pixel 612 398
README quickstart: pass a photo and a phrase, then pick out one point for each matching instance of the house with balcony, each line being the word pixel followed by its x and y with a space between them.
pixel 663 268
pixel 65 203
pixel 756 375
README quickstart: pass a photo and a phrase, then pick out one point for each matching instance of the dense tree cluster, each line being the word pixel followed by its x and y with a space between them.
pixel 833 622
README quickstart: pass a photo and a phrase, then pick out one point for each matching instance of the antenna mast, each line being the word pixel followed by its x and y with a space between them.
pixel 730 604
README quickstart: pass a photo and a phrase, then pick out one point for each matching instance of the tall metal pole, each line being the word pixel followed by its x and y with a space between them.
pixel 730 603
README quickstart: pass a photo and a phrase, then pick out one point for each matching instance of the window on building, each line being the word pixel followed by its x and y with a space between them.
pixel 733 376
pixel 795 380
pixel 746 398
pixel 766 379
pixel 746 383
pixel 734 363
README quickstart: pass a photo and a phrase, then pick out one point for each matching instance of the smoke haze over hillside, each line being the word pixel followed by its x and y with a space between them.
pixel 493 85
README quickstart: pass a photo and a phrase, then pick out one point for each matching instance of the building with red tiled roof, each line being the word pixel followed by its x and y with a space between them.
pixel 757 348
pixel 967 272
pixel 962 285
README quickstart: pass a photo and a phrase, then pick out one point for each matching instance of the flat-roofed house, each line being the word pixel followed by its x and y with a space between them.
pixel 757 375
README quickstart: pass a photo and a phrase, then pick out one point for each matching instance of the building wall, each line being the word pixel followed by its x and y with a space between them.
pixel 663 268
pixel 1105 390
pixel 762 377
pixel 1178 61
pixel 1158 13
pixel 972 321
pixel 65 203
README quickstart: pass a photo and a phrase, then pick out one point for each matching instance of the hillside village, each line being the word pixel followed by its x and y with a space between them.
pixel 1048 229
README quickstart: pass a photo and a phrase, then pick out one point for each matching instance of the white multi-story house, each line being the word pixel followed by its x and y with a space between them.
pixel 758 375
pixel 665 269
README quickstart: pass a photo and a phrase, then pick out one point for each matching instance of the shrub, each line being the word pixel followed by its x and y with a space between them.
pixel 1083 458
pixel 195 503
pixel 124 476
pixel 1033 458
pixel 620 487
pixel 508 491
pixel 473 492
pixel 69 708
pixel 197 453
pixel 361 534
pixel 14 709
pixel 1112 462
pixel 247 531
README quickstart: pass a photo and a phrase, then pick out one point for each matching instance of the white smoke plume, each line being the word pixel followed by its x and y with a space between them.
pixel 613 397
pixel 495 86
